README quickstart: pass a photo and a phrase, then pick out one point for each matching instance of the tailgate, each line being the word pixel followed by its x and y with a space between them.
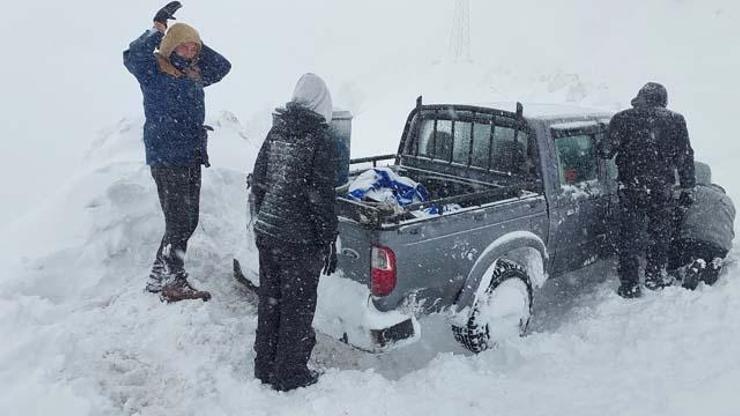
pixel 354 250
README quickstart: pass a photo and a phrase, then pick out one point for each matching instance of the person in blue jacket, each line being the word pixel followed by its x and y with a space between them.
pixel 173 67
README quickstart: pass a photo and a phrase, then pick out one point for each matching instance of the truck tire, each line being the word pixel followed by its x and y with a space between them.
pixel 503 311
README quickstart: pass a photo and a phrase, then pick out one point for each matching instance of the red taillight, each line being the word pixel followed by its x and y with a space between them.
pixel 383 271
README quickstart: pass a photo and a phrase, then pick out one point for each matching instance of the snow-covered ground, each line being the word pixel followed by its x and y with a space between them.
pixel 79 336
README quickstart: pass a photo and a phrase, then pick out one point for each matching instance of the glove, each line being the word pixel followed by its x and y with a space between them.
pixel 330 259
pixel 167 12
pixel 686 199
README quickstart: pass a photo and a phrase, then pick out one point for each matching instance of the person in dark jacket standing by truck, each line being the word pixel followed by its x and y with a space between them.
pixel 172 80
pixel 296 229
pixel 650 143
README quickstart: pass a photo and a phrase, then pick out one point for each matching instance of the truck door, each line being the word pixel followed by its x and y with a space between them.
pixel 579 214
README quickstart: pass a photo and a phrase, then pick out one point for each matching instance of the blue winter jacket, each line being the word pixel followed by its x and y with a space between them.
pixel 174 134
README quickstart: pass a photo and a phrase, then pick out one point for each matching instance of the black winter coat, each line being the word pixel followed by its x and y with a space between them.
pixel 294 179
pixel 650 143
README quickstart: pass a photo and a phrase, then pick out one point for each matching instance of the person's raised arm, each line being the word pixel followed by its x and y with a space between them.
pixel 213 66
pixel 139 58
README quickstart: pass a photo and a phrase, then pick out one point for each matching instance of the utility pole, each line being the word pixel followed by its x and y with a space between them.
pixel 460 35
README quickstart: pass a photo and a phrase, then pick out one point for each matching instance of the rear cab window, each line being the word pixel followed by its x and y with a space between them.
pixel 472 143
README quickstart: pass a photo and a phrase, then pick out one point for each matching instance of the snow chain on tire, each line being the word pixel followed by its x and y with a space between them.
pixel 476 337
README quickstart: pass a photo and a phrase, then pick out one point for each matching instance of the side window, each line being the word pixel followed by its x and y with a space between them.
pixel 577 163
pixel 461 151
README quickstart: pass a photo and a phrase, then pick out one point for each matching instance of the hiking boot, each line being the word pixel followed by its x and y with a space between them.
pixel 264 373
pixel 265 378
pixel 710 275
pixel 296 383
pixel 179 289
pixel 659 282
pixel 156 278
pixel 629 290
pixel 693 274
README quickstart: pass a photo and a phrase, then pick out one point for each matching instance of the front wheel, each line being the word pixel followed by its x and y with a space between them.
pixel 501 312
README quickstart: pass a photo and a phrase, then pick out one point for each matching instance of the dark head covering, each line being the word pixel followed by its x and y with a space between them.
pixel 651 95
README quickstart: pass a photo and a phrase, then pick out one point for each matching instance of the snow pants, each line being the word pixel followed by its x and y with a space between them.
pixel 289 279
pixel 638 207
pixel 179 196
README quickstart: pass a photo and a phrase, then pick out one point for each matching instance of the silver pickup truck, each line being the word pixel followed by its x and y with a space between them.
pixel 524 198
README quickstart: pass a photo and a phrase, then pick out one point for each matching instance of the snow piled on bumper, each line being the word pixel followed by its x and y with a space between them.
pixel 346 311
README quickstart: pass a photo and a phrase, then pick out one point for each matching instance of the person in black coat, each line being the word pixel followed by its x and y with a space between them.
pixel 651 144
pixel 296 229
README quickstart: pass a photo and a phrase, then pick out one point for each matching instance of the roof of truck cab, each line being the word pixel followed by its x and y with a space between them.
pixel 546 112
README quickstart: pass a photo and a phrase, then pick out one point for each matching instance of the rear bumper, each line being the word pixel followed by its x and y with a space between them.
pixel 386 330
pixel 346 312
pixel 388 337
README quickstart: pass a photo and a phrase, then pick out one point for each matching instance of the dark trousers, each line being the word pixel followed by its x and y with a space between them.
pixel 641 207
pixel 179 196
pixel 289 279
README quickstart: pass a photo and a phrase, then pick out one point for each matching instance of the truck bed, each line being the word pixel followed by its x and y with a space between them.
pixel 444 191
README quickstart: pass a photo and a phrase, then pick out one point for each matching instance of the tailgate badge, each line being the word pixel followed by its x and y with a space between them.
pixel 348 252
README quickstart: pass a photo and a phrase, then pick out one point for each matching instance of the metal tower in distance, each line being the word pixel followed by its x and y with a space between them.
pixel 460 35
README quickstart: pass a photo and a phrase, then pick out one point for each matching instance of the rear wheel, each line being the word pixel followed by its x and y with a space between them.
pixel 501 312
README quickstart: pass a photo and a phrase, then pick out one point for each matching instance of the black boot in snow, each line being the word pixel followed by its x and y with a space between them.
pixel 629 290
pixel 179 289
pixel 297 383
pixel 658 282
pixel 156 278
pixel 710 275
pixel 694 274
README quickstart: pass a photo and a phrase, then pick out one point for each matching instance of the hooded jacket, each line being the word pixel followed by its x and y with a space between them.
pixel 312 93
pixel 650 143
pixel 174 100
pixel 294 178
pixel 711 218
